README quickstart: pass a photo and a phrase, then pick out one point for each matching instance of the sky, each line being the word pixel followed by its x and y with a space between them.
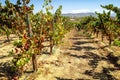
pixel 73 6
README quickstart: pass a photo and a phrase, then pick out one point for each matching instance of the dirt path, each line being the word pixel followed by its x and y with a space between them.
pixel 87 59
pixel 77 58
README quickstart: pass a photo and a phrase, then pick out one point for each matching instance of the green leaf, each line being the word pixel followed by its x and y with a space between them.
pixel 18 43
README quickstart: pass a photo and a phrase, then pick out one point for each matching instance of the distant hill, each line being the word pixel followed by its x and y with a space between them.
pixel 83 14
pixel 79 14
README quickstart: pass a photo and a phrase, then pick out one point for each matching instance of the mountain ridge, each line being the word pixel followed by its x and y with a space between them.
pixel 79 14
pixel 82 14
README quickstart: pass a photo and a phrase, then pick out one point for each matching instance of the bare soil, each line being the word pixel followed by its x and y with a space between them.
pixel 77 58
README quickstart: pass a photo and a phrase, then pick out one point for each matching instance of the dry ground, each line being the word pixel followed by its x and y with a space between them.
pixel 77 58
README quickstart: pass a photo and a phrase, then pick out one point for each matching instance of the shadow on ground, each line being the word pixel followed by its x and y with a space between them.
pixel 84 42
pixel 94 60
pixel 103 75
pixel 6 70
pixel 78 48
pixel 3 56
pixel 58 78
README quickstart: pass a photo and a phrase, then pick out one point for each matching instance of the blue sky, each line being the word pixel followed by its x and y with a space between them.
pixel 74 6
